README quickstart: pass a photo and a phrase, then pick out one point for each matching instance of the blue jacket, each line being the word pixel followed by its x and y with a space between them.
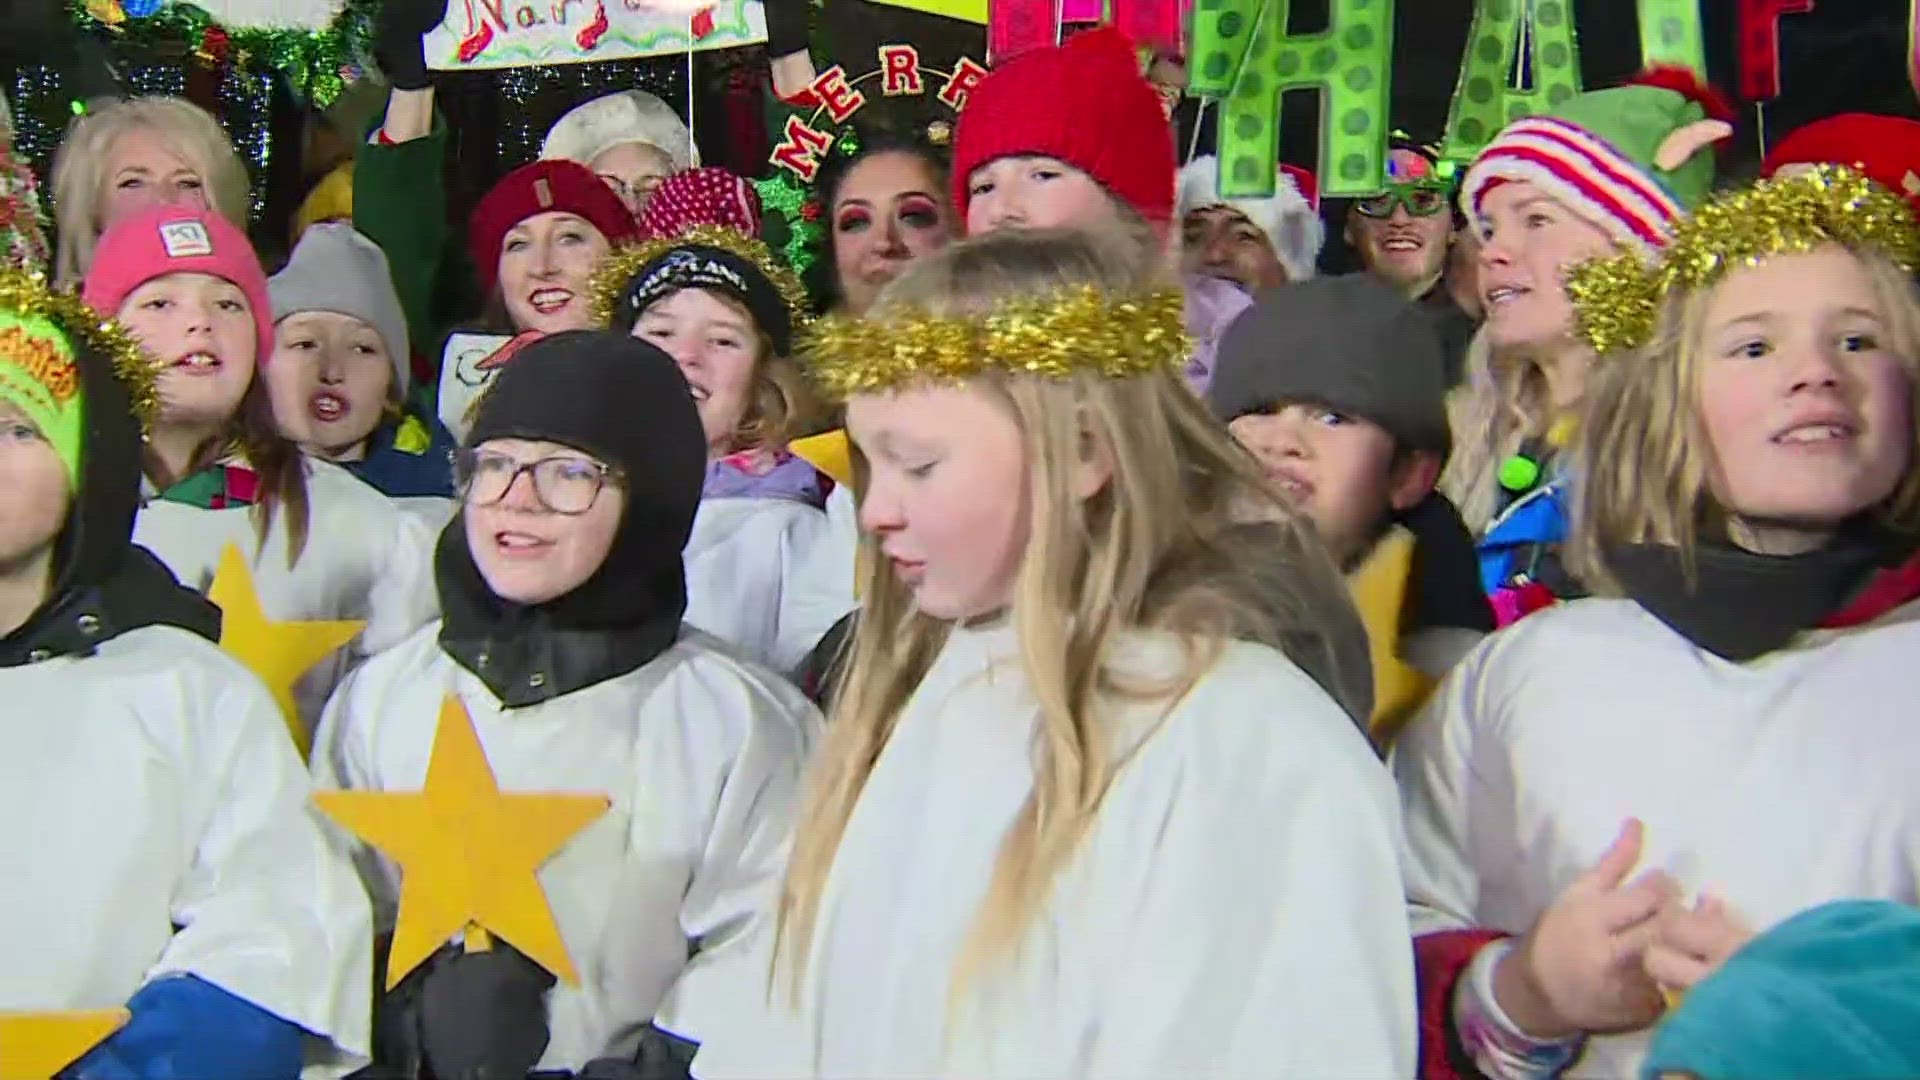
pixel 185 1028
pixel 1522 535
pixel 411 458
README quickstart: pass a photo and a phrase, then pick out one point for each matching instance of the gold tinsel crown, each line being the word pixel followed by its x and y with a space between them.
pixel 1053 337
pixel 1616 300
pixel 28 293
pixel 617 270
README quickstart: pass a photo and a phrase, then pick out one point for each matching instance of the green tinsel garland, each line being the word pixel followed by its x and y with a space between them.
pixel 317 63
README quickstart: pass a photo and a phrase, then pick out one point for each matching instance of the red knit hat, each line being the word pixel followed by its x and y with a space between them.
pixel 1885 148
pixel 178 240
pixel 709 196
pixel 544 186
pixel 1085 103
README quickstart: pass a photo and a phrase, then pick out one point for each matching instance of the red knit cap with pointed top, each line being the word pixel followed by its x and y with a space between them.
pixel 1085 103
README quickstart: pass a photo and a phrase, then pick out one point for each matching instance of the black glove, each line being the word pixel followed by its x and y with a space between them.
pixel 787 26
pixel 483 1015
pixel 397 47
pixel 662 1056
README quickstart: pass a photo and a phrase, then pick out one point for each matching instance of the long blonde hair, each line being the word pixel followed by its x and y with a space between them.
pixel 1643 454
pixel 80 169
pixel 1157 548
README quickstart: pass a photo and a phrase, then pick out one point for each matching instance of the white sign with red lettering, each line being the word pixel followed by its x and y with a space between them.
pixel 531 33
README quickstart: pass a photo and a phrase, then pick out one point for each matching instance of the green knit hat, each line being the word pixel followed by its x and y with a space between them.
pixel 38 375
pixel 1596 151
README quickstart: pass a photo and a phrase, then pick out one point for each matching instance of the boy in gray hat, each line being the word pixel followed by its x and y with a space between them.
pixel 338 377
pixel 1337 387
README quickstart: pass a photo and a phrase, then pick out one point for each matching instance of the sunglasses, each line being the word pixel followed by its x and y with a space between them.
pixel 1423 199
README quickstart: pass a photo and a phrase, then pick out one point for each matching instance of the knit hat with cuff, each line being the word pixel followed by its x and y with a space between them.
pixel 1351 343
pixel 538 188
pixel 176 240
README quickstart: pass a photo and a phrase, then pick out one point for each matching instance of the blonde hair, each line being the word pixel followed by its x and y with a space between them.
pixel 1643 454
pixel 1157 548
pixel 80 169
pixel 1502 402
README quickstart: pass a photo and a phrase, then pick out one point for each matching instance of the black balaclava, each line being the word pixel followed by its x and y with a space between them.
pixel 624 402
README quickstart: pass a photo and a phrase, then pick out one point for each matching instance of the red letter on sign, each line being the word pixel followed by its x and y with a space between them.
pixel 900 70
pixel 840 98
pixel 966 75
pixel 799 151
pixel 1760 45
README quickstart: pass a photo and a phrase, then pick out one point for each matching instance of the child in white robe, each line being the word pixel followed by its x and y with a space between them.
pixel 161 855
pixel 1076 813
pixel 1605 799
pixel 322 544
pixel 563 591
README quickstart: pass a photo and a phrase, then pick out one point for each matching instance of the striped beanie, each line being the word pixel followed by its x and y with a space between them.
pixel 1595 153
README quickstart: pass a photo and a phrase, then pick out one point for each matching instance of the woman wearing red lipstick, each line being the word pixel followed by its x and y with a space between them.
pixel 1746 509
pixel 887 205
pixel 219 473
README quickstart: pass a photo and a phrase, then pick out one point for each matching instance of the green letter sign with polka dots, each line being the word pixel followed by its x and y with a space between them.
pixel 1243 55
pixel 1489 96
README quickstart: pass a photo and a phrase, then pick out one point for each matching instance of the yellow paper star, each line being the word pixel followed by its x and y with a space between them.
pixel 829 452
pixel 467 852
pixel 1378 587
pixel 279 652
pixel 35 1046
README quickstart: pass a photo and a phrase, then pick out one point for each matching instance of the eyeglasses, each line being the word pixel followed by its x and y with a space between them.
pixel 1421 200
pixel 563 485
pixel 637 191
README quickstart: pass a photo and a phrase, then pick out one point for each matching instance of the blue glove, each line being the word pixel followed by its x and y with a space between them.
pixel 185 1028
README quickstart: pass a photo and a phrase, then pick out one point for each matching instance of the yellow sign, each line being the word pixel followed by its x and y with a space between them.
pixel 36 1046
pixel 973 11
pixel 279 652
pixel 468 853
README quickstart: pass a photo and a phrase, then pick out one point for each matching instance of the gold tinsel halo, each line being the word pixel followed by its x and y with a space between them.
pixel 617 270
pixel 1081 330
pixel 28 293
pixel 1616 300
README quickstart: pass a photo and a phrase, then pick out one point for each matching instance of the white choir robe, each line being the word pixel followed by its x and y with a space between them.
pixel 741 563
pixel 1777 784
pixel 150 786
pixel 1235 909
pixel 701 755
pixel 365 558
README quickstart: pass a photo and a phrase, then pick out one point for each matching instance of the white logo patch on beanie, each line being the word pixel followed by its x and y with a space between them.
pixel 185 239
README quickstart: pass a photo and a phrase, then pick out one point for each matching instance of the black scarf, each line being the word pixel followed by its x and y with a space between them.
pixel 624 402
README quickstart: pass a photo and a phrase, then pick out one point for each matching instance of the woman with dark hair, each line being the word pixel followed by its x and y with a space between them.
pixel 885 205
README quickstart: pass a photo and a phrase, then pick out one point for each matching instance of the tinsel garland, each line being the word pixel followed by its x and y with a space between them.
pixel 27 293
pixel 617 270
pixel 1082 330
pixel 1617 300
pixel 317 63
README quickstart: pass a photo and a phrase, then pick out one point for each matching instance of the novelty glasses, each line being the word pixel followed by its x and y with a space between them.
pixel 1422 198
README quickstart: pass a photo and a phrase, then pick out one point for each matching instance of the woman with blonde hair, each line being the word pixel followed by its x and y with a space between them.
pixel 1077 813
pixel 1747 513
pixel 122 157
pixel 1607 171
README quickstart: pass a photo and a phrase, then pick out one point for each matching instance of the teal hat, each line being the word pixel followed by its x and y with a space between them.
pixel 1831 992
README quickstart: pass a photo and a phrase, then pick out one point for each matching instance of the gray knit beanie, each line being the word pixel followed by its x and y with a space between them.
pixel 336 269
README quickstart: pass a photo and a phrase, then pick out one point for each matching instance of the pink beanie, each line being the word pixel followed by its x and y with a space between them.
pixel 177 240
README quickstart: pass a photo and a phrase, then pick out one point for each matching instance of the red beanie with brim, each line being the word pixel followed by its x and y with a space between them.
pixel 1884 148
pixel 1084 103
pixel 563 187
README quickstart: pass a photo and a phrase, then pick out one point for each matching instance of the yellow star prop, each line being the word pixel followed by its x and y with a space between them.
pixel 279 652
pixel 35 1046
pixel 829 452
pixel 467 852
pixel 1378 587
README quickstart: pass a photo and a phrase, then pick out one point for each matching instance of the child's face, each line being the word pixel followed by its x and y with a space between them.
pixel 1220 242
pixel 1805 404
pixel 201 330
pixel 715 343
pixel 545 263
pixel 143 171
pixel 528 551
pixel 1036 193
pixel 632 170
pixel 328 381
pixel 1527 240
pixel 34 496
pixel 946 495
pixel 1339 469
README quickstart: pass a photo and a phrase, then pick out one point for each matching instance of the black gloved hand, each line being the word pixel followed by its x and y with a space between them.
pixel 788 26
pixel 397 47
pixel 483 1015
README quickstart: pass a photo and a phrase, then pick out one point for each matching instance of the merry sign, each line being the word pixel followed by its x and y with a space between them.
pixel 804 142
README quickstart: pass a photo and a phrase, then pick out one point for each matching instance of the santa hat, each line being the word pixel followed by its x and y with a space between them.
pixel 539 188
pixel 630 116
pixel 1288 217
pixel 1085 103
pixel 1595 153
pixel 1884 148
pixel 178 240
